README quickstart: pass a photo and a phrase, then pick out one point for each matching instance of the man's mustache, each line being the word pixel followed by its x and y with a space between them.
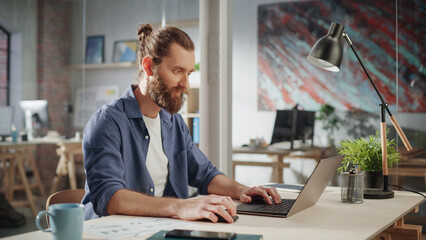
pixel 178 89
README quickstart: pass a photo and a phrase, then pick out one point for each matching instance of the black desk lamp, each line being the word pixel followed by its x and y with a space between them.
pixel 327 54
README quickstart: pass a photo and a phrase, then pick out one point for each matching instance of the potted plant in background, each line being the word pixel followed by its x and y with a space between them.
pixel 330 121
pixel 367 155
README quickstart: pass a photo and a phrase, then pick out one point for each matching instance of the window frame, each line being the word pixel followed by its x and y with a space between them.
pixel 7 50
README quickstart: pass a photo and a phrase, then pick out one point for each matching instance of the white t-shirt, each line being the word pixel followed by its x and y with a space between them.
pixel 156 160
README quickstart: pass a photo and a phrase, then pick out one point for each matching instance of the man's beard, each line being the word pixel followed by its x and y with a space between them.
pixel 166 97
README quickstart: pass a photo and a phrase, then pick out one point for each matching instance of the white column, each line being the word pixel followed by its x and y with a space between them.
pixel 15 78
pixel 215 88
pixel 204 69
pixel 225 91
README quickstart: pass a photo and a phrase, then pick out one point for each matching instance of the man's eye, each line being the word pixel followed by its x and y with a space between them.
pixel 178 71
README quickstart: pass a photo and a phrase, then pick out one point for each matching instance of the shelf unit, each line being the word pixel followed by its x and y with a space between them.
pixel 179 23
pixel 103 65
pixel 191 111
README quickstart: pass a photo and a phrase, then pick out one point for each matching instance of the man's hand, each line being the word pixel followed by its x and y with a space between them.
pixel 265 192
pixel 206 207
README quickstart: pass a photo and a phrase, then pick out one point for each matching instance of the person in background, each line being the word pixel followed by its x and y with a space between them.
pixel 139 156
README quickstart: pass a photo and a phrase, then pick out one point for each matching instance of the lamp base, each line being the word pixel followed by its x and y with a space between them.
pixel 378 194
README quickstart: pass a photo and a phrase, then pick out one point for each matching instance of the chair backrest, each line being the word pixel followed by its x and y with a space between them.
pixel 66 196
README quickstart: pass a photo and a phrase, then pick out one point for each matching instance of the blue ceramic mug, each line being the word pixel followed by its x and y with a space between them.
pixel 65 219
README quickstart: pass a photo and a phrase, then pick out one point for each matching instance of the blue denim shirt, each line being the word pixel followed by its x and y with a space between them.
pixel 115 146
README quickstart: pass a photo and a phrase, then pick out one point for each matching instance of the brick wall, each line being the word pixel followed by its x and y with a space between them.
pixel 3 68
pixel 53 57
pixel 54 44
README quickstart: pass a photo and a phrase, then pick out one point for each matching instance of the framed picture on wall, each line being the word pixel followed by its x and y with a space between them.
pixel 125 51
pixel 95 49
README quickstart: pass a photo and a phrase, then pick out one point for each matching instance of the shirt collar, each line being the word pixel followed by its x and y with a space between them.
pixel 132 110
pixel 166 117
pixel 131 106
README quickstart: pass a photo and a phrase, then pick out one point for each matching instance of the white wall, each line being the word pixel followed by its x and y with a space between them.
pixel 20 17
pixel 23 55
pixel 247 121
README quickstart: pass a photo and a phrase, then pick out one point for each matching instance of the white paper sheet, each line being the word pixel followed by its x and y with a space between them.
pixel 133 227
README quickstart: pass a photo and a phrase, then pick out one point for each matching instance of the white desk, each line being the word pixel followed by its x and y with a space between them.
pixel 329 219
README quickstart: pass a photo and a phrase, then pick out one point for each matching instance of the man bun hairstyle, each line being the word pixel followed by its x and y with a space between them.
pixel 156 44
pixel 143 31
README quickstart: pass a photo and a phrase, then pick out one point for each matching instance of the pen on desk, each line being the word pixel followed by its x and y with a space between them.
pixel 349 190
pixel 356 183
pixel 352 188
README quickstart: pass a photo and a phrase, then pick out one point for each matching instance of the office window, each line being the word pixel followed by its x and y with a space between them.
pixel 4 67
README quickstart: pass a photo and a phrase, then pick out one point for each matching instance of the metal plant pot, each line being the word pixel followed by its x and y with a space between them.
pixel 373 180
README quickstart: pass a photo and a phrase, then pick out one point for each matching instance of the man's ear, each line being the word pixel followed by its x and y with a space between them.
pixel 147 65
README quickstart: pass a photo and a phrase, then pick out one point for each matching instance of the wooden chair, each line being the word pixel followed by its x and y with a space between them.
pixel 66 196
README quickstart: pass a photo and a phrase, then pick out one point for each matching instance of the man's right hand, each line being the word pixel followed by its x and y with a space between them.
pixel 206 207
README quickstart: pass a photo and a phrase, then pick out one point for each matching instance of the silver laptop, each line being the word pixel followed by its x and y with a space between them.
pixel 308 197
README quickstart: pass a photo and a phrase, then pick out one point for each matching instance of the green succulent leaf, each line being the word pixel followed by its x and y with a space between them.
pixel 367 154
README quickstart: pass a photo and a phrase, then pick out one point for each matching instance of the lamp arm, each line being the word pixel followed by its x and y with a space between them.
pixel 385 104
pixel 395 123
pixel 400 133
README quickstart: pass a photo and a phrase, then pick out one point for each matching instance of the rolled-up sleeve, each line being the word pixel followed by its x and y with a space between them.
pixel 103 160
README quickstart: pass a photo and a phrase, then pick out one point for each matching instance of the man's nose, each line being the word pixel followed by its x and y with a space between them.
pixel 185 82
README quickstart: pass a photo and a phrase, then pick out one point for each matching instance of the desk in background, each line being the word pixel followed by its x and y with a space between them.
pixel 412 164
pixel 16 155
pixel 67 150
pixel 9 162
pixel 278 155
pixel 328 219
pixel 26 149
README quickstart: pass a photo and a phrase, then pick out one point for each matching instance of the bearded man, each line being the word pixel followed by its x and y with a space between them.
pixel 139 157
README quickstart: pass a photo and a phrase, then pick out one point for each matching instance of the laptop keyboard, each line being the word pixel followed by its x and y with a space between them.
pixel 283 207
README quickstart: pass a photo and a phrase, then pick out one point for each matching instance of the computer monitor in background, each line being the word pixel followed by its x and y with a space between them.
pixel 6 120
pixel 284 128
pixel 36 117
pixel 291 125
pixel 305 126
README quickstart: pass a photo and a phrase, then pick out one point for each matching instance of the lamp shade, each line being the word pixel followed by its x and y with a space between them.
pixel 327 53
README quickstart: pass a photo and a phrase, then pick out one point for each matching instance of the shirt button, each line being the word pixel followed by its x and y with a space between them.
pixel 151 189
pixel 146 137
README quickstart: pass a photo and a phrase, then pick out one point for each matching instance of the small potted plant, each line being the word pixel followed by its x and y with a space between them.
pixel 367 155
pixel 330 121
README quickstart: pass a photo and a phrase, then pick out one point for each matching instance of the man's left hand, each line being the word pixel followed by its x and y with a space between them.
pixel 265 192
